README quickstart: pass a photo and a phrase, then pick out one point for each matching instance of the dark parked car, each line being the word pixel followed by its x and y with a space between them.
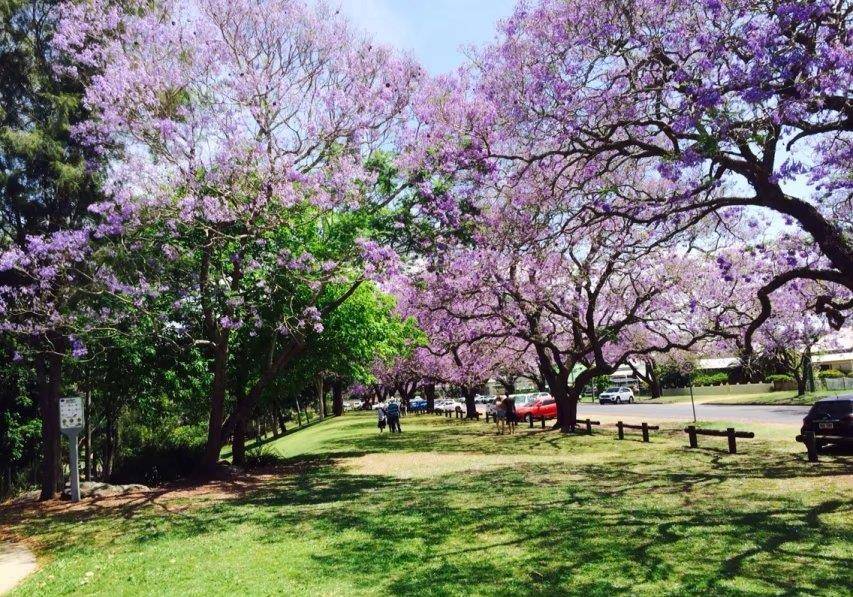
pixel 831 416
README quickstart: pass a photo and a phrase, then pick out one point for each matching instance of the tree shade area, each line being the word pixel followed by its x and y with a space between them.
pixel 449 508
pixel 224 221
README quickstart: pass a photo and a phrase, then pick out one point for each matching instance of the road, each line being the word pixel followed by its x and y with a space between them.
pixel 792 415
pixel 785 415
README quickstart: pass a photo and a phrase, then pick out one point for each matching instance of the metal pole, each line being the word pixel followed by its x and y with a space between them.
pixel 693 404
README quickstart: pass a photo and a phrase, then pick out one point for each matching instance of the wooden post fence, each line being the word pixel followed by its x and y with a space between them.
pixel 693 432
pixel 644 428
pixel 587 423
pixel 814 442
pixel 808 438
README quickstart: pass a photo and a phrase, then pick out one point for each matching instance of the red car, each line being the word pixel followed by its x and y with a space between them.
pixel 543 407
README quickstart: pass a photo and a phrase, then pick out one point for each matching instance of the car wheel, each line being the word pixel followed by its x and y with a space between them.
pixel 630 400
pixel 618 401
pixel 530 419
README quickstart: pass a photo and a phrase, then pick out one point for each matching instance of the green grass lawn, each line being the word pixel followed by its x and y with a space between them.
pixel 448 507
pixel 783 397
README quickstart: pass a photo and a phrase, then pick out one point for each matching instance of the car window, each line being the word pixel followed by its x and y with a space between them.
pixel 547 402
pixel 613 389
pixel 832 408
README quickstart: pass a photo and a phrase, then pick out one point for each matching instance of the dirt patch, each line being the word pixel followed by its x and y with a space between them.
pixel 171 497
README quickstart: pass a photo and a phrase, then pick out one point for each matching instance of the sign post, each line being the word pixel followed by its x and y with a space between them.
pixel 71 423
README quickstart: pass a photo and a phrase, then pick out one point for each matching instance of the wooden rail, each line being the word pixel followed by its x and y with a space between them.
pixel 730 433
pixel 458 414
pixel 644 427
pixel 587 423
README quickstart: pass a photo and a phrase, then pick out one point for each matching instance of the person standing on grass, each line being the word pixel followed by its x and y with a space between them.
pixel 500 415
pixel 380 413
pixel 509 410
pixel 393 412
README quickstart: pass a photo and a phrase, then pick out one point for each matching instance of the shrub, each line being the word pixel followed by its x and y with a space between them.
pixel 166 459
pixel 710 379
pixel 830 374
pixel 778 377
pixel 262 456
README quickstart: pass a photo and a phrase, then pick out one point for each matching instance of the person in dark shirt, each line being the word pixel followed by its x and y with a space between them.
pixel 509 409
pixel 393 413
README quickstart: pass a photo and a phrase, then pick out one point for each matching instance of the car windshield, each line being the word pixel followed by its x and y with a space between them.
pixel 832 408
pixel 613 389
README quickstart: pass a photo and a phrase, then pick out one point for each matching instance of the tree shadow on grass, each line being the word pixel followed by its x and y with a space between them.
pixel 579 544
pixel 670 520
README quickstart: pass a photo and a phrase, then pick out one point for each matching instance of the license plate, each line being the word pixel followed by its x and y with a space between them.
pixel 825 425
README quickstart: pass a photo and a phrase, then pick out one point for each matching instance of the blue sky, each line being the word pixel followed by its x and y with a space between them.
pixel 434 30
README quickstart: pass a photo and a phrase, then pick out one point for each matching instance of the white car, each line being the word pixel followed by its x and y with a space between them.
pixel 616 395
pixel 448 405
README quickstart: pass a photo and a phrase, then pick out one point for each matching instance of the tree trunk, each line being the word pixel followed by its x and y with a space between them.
pixel 508 386
pixel 654 383
pixel 87 434
pixel 48 372
pixel 801 385
pixel 429 392
pixel 470 405
pixel 110 445
pixel 808 373
pixel 321 400
pixel 567 398
pixel 337 398
pixel 214 443
pixel 298 412
pixel 238 444
pixel 276 433
pixel 282 424
pixel 558 384
pixel 563 407
pixel 573 397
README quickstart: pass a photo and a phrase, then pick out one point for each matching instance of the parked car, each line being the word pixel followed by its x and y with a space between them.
pixel 616 395
pixel 830 416
pixel 484 399
pixel 417 404
pixel 524 404
pixel 448 404
pixel 538 406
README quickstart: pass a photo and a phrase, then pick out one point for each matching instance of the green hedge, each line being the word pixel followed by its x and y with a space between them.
pixel 710 379
pixel 830 373
pixel 778 377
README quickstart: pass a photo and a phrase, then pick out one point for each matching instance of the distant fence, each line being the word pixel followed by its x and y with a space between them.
pixel 838 383
pixel 721 390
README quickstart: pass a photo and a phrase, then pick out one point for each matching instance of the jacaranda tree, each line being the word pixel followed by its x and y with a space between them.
pixel 248 133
